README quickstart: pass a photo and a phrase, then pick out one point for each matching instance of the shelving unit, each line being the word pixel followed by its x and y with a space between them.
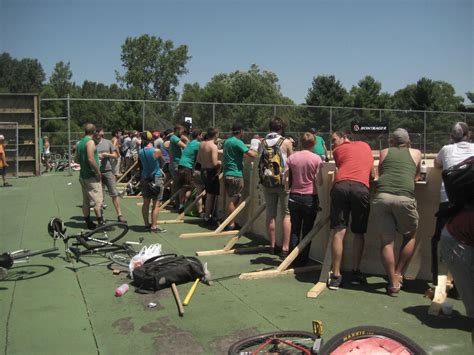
pixel 22 109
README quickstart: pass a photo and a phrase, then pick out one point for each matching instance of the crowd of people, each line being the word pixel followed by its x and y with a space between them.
pixel 290 180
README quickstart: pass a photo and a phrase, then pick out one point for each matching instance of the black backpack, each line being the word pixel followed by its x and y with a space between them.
pixel 161 271
pixel 459 182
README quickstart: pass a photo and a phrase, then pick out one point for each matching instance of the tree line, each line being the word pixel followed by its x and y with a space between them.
pixel 152 68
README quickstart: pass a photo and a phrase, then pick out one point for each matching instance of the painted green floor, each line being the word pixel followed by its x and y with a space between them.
pixel 51 307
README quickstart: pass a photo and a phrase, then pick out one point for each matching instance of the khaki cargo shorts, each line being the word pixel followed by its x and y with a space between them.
pixel 394 214
pixel 234 186
pixel 272 196
pixel 91 192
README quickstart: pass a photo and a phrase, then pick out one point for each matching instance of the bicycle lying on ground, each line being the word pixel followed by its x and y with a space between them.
pixel 359 340
pixel 102 241
pixel 7 260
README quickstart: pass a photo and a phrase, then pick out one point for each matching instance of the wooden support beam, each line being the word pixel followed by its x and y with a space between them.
pixel 207 234
pixel 220 230
pixel 275 273
pixel 180 218
pixel 283 267
pixel 323 276
pixel 233 251
pixel 439 296
pixel 129 170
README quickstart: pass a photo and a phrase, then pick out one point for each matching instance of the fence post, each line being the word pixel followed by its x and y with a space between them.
pixel 330 129
pixel 424 135
pixel 69 132
pixel 214 115
pixel 274 110
pixel 143 117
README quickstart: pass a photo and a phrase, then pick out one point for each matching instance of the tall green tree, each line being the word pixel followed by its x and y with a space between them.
pixel 153 66
pixel 253 86
pixel 60 79
pixel 326 90
pixel 20 76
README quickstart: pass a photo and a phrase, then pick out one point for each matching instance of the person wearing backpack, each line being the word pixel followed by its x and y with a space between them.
pixel 271 169
pixel 233 156
pixel 150 159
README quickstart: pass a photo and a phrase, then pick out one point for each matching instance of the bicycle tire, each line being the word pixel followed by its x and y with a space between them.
pixel 121 257
pixel 116 230
pixel 250 345
pixel 350 337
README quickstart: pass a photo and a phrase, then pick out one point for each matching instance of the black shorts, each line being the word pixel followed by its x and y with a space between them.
pixel 210 179
pixel 350 198
pixel 3 171
pixel 185 177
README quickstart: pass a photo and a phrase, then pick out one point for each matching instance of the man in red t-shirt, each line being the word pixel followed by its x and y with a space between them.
pixel 349 197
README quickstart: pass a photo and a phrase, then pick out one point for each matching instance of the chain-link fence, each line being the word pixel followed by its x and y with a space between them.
pixel 62 119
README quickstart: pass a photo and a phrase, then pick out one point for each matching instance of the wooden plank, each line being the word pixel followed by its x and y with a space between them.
pixel 439 296
pixel 180 218
pixel 304 242
pixel 232 251
pixel 229 218
pixel 316 290
pixel 16 110
pixel 129 170
pixel 207 234
pixel 275 273
pixel 245 227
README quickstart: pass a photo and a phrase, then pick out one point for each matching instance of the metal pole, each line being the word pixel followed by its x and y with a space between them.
pixel 274 110
pixel 380 137
pixel 214 115
pixel 17 153
pixel 69 133
pixel 330 130
pixel 143 117
pixel 424 135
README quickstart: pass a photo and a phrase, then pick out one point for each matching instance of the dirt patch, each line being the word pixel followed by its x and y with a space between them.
pixel 124 326
pixel 220 345
pixel 171 340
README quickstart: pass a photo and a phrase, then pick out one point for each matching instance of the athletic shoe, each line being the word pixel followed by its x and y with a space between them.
pixel 357 278
pixel 157 230
pixel 121 219
pixel 334 282
pixel 6 184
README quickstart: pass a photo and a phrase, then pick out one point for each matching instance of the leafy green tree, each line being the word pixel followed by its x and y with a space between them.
pixel 326 90
pixel 248 87
pixel 20 76
pixel 60 79
pixel 153 66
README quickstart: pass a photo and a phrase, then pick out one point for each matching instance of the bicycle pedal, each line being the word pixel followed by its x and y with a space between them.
pixel 318 328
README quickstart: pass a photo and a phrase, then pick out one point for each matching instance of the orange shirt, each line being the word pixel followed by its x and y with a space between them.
pixel 354 162
pixel 2 155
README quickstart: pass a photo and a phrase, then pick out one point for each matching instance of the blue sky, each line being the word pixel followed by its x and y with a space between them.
pixel 395 41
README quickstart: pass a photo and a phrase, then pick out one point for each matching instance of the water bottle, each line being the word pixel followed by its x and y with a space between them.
pixel 423 171
pixel 121 290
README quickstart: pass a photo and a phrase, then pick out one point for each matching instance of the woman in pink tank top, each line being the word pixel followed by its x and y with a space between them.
pixel 304 174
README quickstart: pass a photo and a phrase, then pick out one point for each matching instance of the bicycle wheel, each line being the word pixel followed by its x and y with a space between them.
pixel 288 342
pixel 370 339
pixel 121 257
pixel 103 235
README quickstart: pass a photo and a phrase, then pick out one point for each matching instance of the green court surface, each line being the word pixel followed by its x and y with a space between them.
pixel 50 306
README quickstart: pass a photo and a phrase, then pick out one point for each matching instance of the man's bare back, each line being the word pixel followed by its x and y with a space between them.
pixel 208 155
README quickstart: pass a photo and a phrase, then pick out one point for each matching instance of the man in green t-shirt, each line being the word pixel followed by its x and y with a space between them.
pixel 186 168
pixel 90 177
pixel 320 146
pixel 177 143
pixel 234 151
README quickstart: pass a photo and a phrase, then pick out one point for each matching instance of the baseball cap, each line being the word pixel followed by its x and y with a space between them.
pixel 400 136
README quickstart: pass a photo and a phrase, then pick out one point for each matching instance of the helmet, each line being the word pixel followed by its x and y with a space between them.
pixel 56 228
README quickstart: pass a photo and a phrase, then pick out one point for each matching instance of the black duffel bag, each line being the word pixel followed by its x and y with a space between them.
pixel 459 182
pixel 161 271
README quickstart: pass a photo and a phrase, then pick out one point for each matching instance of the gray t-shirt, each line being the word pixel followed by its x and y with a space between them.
pixel 105 146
